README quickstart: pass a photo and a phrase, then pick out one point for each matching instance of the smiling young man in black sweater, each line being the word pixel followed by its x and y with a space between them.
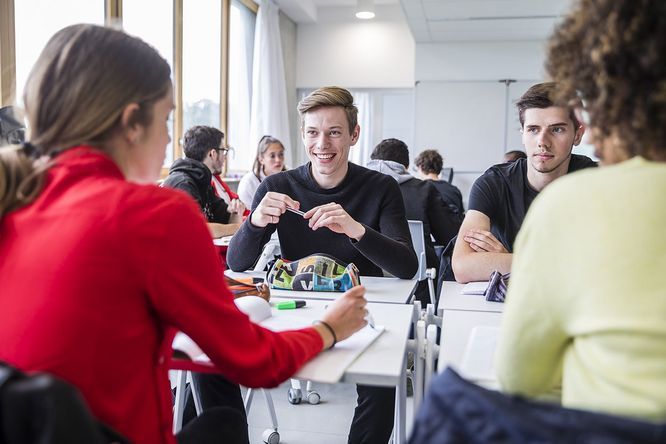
pixel 352 213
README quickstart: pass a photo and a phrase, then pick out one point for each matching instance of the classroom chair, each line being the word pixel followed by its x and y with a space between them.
pixel 41 408
pixel 423 272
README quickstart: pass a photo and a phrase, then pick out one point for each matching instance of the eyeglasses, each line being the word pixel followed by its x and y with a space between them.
pixel 225 151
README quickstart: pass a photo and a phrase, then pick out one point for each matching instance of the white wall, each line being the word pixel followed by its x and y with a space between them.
pixel 480 60
pixel 377 53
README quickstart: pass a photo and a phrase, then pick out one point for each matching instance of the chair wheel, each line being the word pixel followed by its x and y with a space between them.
pixel 313 398
pixel 295 396
pixel 270 436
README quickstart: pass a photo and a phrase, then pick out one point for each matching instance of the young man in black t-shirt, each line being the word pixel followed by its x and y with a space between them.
pixel 500 198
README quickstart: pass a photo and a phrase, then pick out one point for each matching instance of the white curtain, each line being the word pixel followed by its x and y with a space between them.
pixel 360 153
pixel 269 112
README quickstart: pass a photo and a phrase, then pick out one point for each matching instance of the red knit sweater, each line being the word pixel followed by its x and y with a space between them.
pixel 96 275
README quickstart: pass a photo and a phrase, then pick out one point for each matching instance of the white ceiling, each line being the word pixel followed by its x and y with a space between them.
pixel 476 20
pixel 448 20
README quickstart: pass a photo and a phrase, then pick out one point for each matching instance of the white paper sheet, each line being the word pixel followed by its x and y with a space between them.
pixel 475 288
pixel 329 366
pixel 222 241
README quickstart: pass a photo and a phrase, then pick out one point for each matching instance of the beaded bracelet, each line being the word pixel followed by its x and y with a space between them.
pixel 325 324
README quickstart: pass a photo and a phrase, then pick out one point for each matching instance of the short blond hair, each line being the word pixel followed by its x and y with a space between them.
pixel 330 96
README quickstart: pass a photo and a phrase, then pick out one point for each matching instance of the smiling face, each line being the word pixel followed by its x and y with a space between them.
pixel 272 160
pixel 549 136
pixel 327 139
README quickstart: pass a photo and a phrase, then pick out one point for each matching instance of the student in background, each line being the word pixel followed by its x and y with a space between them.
pixel 586 307
pixel 351 213
pixel 269 160
pixel 421 199
pixel 500 198
pixel 512 155
pixel 205 156
pixel 429 164
pixel 100 266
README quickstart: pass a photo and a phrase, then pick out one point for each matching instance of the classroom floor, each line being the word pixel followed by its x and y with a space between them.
pixel 325 423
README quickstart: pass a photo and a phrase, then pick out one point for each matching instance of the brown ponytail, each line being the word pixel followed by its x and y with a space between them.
pixel 21 178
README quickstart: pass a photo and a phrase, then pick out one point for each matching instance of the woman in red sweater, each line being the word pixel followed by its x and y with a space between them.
pixel 99 266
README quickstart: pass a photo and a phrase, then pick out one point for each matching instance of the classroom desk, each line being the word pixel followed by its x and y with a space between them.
pixel 381 364
pixel 462 315
pixel 378 289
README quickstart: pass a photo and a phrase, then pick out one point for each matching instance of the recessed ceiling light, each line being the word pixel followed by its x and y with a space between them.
pixel 365 9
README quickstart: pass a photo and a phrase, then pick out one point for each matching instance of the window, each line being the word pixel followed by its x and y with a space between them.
pixel 202 26
pixel 33 30
pixel 204 94
pixel 158 32
pixel 241 45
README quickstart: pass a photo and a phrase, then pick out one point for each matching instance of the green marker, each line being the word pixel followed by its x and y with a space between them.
pixel 290 305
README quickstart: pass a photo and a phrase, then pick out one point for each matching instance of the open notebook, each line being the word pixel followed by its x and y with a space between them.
pixel 327 367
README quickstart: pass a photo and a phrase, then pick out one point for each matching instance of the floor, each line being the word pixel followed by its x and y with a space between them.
pixel 325 423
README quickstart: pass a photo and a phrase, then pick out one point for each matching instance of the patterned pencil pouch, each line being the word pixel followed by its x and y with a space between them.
pixel 317 272
pixel 497 287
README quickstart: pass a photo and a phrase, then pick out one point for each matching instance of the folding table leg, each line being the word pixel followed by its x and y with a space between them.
pixel 179 407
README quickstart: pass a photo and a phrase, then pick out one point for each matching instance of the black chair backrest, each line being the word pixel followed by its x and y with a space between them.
pixel 41 409
pixel 445 272
pixel 447 174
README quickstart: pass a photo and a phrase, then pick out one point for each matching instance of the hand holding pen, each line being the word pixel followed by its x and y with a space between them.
pixel 344 317
pixel 272 206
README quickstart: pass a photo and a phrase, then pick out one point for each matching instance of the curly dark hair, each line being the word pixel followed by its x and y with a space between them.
pixel 612 53
pixel 391 149
pixel 429 161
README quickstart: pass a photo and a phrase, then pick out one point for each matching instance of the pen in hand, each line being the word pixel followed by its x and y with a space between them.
pixel 293 210
pixel 371 321
pixel 368 317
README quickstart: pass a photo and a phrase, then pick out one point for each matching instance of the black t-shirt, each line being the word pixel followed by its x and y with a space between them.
pixel 504 195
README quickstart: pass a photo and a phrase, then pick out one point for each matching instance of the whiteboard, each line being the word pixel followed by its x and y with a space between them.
pixel 464 121
pixel 468 122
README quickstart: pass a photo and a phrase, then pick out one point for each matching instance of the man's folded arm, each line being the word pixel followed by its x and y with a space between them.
pixel 471 265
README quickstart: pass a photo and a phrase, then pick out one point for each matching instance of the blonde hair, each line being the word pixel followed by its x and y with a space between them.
pixel 75 94
pixel 330 96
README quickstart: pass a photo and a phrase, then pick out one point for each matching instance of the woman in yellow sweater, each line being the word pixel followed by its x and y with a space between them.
pixel 586 307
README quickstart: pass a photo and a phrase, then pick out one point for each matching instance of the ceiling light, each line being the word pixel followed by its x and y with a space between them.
pixel 365 9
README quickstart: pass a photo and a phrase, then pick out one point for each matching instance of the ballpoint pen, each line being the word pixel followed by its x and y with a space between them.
pixel 293 210
pixel 371 321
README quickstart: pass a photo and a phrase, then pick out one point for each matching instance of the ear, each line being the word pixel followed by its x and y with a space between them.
pixel 579 134
pixel 355 135
pixel 132 131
